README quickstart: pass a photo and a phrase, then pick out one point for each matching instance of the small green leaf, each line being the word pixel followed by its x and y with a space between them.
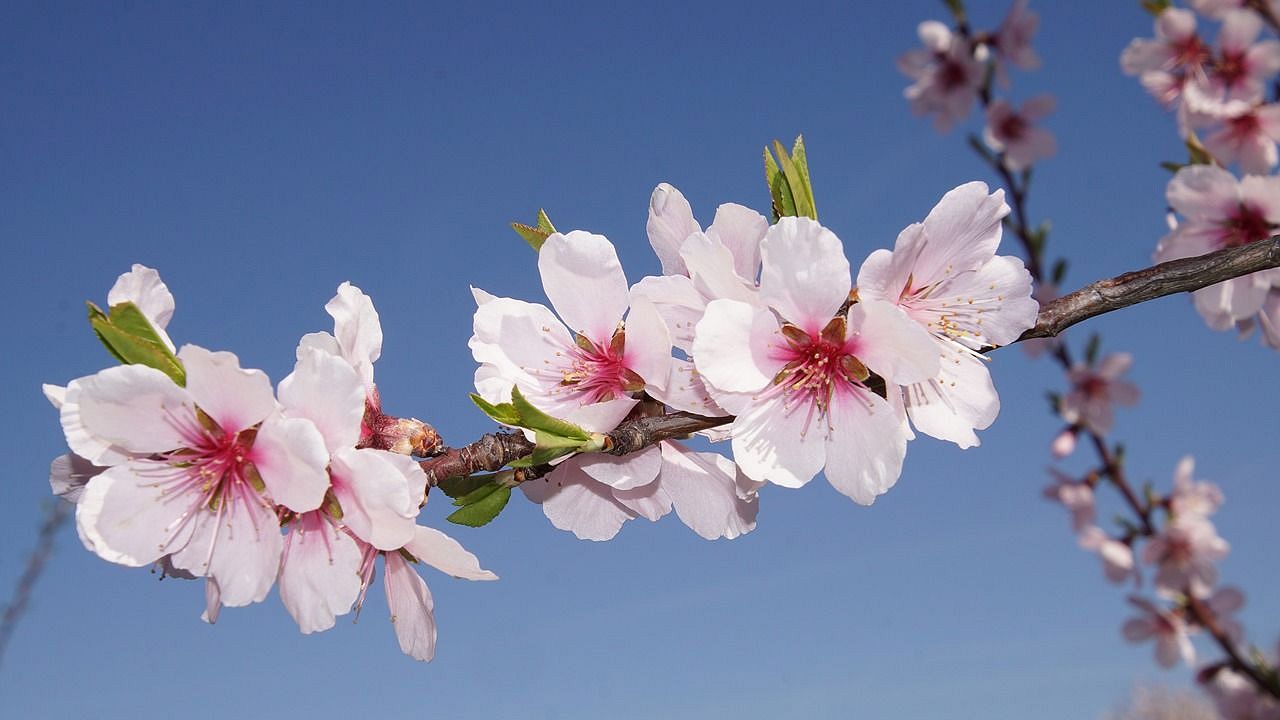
pixel 131 339
pixel 794 184
pixel 1055 402
pixel 535 234
pixel 1172 167
pixel 483 511
pixel 504 413
pixel 541 456
pixel 1091 350
pixel 1059 272
pixel 456 487
pixel 955 6
pixel 1155 7
pixel 1197 154
pixel 801 160
pixel 534 419
pixel 478 494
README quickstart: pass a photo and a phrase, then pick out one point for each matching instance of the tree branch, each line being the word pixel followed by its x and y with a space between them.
pixel 1131 288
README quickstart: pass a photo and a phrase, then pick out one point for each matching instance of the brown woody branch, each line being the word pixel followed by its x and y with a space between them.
pixel 493 451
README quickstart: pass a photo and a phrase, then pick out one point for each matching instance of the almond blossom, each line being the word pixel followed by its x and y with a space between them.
pixel 1012 131
pixel 1116 556
pixel 1184 553
pixel 1074 495
pixel 1189 497
pixel 946 75
pixel 1247 138
pixel 1167 628
pixel 797 371
pixel 1165 63
pixel 1220 212
pixel 592 378
pixel 945 275
pixel 199 471
pixel 1237 697
pixel 1096 390
pixel 1236 75
pixel 1013 37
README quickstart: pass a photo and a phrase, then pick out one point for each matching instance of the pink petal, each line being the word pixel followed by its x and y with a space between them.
pixel 650 502
pixel 710 265
pixel 880 278
pixel 238 545
pixel 704 491
pixel 740 229
pixel 375 500
pixel 236 399
pixel 670 222
pixel 521 340
pixel 82 442
pixel 411 606
pixel 125 517
pixel 68 474
pixel 357 329
pixel 446 555
pixel 865 445
pixel 892 344
pixel 647 351
pixel 1239 29
pixel 1202 192
pixel 960 233
pixel 623 472
pixel 685 391
pixel 572 501
pixel 775 443
pixel 143 287
pixel 677 301
pixel 805 275
pixel 733 344
pixel 212 601
pixel 602 416
pixel 583 279
pixel 319 573
pixel 290 455
pixel 958 401
pixel 325 390
pixel 128 408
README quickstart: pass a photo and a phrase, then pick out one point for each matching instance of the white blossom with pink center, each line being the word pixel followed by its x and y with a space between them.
pixel 795 372
pixel 204 466
pixel 1164 63
pixel 374 495
pixel 1116 556
pixel 1237 697
pixel 945 275
pixel 1218 9
pixel 409 599
pixel 1236 75
pixel 1014 133
pixel 1074 495
pixel 1013 37
pixel 1095 391
pixel 1185 553
pixel 1191 497
pixel 1247 138
pixel 1220 212
pixel 591 378
pixel 1168 630
pixel 946 75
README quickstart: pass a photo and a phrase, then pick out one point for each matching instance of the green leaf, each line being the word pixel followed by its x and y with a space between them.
pixel 456 487
pixel 1172 167
pixel 534 419
pixel 1197 154
pixel 1155 7
pixel 535 234
pixel 1091 350
pixel 794 184
pixel 801 160
pixel 541 456
pixel 483 511
pixel 1059 272
pixel 504 413
pixel 479 493
pixel 131 339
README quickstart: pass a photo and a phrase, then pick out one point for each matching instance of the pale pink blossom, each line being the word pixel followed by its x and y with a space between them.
pixel 1075 495
pixel 1220 212
pixel 1185 552
pixel 794 373
pixel 1064 443
pixel 1013 37
pixel 1236 75
pixel 947 75
pixel 202 470
pixel 1176 48
pixel 944 274
pixel 1225 602
pixel 1168 630
pixel 1013 132
pixel 1116 556
pixel 1218 9
pixel 1247 138
pixel 1237 697
pixel 1095 391
pixel 1189 497
pixel 409 599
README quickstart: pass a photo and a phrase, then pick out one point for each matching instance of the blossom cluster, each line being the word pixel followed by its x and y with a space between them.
pixel 1218 92
pixel 761 324
pixel 209 472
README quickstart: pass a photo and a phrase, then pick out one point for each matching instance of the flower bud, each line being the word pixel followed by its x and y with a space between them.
pixel 1064 444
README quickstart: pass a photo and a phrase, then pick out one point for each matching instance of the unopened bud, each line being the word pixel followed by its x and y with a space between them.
pixel 405 436
pixel 1064 444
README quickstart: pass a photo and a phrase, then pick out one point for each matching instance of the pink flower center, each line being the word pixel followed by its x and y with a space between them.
pixel 817 368
pixel 1243 127
pixel 952 75
pixel 1190 52
pixel 1012 128
pixel 1231 68
pixel 1094 387
pixel 1247 225
pixel 599 374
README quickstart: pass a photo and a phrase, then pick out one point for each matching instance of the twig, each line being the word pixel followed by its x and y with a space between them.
pixel 54 517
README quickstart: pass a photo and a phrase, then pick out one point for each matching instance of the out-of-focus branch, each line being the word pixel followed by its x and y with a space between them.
pixel 1169 278
pixel 53 520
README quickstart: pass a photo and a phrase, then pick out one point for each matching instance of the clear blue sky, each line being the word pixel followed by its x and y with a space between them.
pixel 260 156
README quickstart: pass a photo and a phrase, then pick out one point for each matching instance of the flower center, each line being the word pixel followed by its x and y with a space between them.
pixel 1012 127
pixel 1190 52
pixel 817 367
pixel 1247 225
pixel 952 75
pixel 1231 68
pixel 213 464
pixel 1243 127
pixel 598 373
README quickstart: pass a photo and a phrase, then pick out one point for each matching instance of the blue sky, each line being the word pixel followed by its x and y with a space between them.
pixel 260 156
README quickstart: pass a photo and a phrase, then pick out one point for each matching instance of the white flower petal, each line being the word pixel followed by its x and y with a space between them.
pixel 733 348
pixel 623 472
pixel 584 281
pixel 805 275
pixel 375 500
pixel 411 608
pixel 125 517
pixel 865 447
pixel 446 555
pixel 890 343
pixel 319 573
pixel 130 407
pixel 572 501
pixel 670 222
pixel 740 229
pixel 290 455
pixel 647 351
pixel 704 491
pixel 357 329
pixel 958 401
pixel 779 444
pixel 236 399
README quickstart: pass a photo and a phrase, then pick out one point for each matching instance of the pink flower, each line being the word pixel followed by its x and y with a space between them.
pixel 1248 138
pixel 1012 132
pixel 944 274
pixel 1013 37
pixel 1218 9
pixel 794 373
pixel 1168 629
pixel 1116 556
pixel 946 75
pixel 1095 392
pixel 1219 212
pixel 1190 498
pixel 202 468
pixel 409 599
pixel 1064 443
pixel 1184 552
pixel 1236 75
pixel 1176 52
pixel 1238 698
pixel 1225 602
pixel 1075 495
